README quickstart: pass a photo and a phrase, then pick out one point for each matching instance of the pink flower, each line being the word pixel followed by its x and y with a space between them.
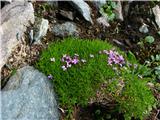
pixel 114 57
pixel 50 77
pixel 75 61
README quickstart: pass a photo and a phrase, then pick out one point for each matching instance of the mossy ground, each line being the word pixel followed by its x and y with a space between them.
pixel 78 84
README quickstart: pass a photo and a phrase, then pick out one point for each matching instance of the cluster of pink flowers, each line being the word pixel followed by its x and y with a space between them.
pixel 69 61
pixel 113 57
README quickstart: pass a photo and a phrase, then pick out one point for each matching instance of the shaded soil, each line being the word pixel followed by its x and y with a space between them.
pixel 124 34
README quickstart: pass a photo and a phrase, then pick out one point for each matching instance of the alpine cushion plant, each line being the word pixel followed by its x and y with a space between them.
pixel 80 66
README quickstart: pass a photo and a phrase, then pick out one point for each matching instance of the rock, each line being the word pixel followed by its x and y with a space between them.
pixel 15 18
pixel 53 3
pixel 3 3
pixel 126 8
pixel 65 29
pixel 83 8
pixel 29 96
pixel 118 11
pixel 156 12
pixel 66 14
pixel 40 29
pixel 144 28
pixel 99 3
pixel 103 21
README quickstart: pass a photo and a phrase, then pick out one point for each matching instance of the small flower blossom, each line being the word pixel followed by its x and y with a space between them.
pixel 83 60
pixel 100 52
pixel 135 66
pixel 105 51
pixel 76 55
pixel 64 68
pixel 75 61
pixel 92 56
pixel 68 65
pixel 50 77
pixel 114 57
pixel 52 59
pixel 69 61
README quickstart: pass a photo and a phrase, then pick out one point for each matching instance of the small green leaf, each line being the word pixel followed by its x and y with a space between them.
pixel 131 56
pixel 149 39
pixel 157 57
pixel 152 57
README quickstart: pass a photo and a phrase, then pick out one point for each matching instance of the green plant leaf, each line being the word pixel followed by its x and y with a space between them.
pixel 149 39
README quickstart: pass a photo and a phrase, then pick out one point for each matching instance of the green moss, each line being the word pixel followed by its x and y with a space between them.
pixel 80 82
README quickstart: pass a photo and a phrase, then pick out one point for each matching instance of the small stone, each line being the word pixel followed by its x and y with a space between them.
pixel 65 29
pixel 67 14
pixel 103 21
pixel 156 12
pixel 40 29
pixel 144 28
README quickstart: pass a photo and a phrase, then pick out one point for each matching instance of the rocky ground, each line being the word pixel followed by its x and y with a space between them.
pixel 40 23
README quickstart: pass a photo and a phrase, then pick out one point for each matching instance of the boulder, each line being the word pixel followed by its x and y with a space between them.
pixel 15 18
pixel 65 29
pixel 28 95
pixel 83 8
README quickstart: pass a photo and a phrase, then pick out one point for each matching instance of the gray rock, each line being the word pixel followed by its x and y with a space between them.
pixel 83 8
pixel 66 14
pixel 15 18
pixel 103 21
pixel 29 96
pixel 118 11
pixel 156 12
pixel 65 29
pixel 40 29
pixel 144 28
pixel 53 3
pixel 99 3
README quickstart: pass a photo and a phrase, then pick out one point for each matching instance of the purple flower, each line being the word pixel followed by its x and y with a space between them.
pixel 114 57
pixel 50 77
pixel 75 61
